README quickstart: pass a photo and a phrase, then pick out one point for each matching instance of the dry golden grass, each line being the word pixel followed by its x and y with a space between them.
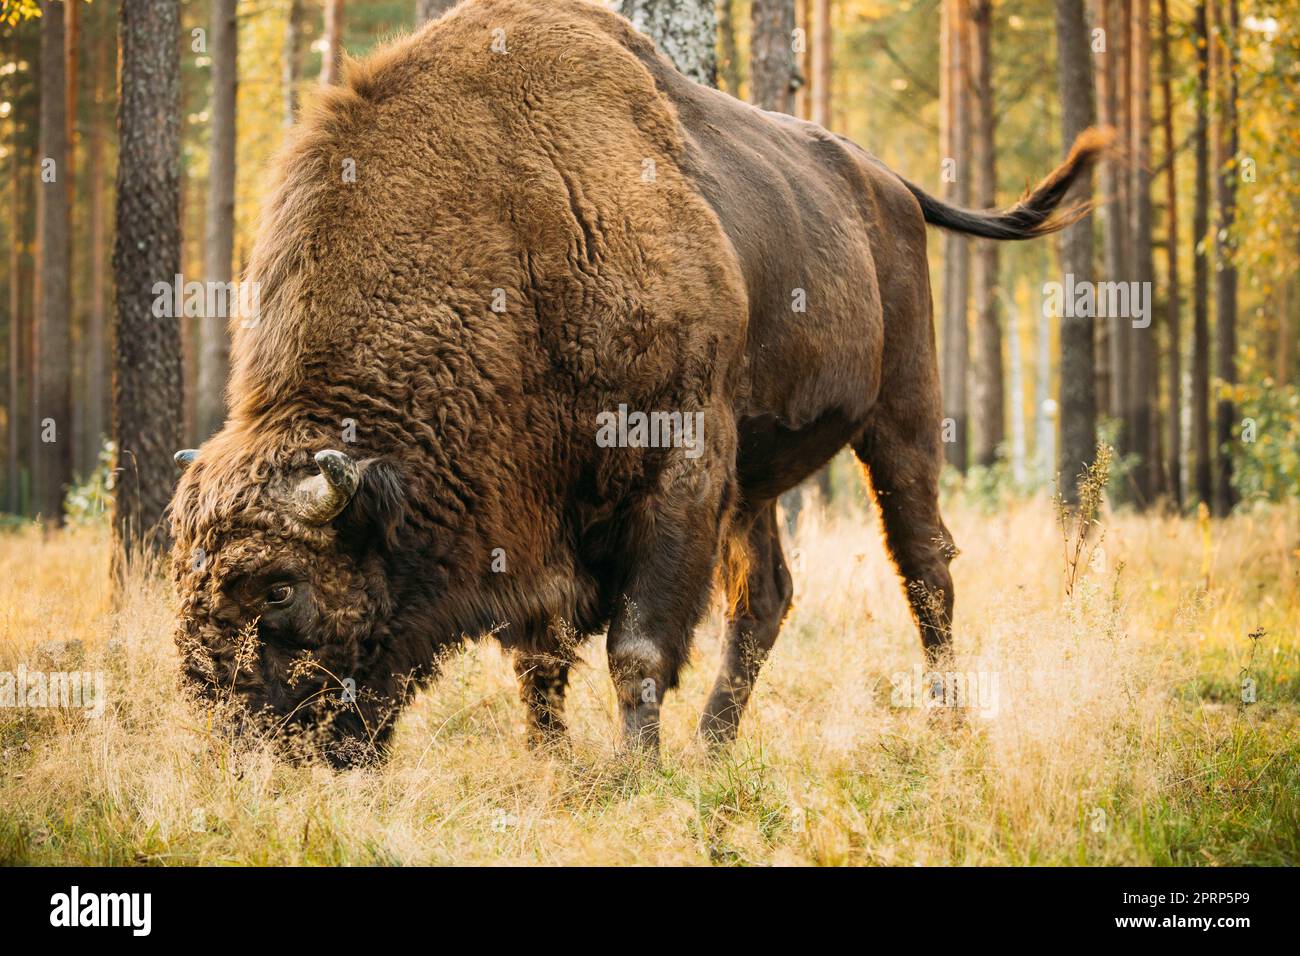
pixel 1119 736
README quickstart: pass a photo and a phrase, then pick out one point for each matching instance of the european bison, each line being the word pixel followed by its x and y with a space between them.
pixel 577 322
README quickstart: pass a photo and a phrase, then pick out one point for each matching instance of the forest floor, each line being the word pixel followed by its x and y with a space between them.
pixel 1109 726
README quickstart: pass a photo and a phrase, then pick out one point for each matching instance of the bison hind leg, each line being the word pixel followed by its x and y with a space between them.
pixel 759 597
pixel 903 458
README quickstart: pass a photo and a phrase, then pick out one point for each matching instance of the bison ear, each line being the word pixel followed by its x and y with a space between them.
pixel 378 509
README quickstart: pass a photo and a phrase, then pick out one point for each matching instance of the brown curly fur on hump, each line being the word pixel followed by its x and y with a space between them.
pixel 376 294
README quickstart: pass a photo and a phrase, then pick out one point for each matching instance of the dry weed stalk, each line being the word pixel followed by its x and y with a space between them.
pixel 1076 525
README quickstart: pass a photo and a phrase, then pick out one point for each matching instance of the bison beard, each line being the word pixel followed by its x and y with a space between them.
pixel 471 252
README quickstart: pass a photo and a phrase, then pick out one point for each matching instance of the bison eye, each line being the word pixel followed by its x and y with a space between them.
pixel 280 594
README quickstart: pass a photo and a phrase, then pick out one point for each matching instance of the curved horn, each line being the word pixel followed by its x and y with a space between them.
pixel 185 457
pixel 320 498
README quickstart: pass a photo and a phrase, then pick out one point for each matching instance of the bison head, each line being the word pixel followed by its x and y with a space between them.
pixel 285 594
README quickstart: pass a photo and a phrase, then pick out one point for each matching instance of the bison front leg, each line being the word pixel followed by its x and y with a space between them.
pixel 647 645
pixel 642 667
pixel 669 582
pixel 543 678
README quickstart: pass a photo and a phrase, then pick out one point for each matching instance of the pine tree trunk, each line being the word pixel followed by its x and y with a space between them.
pixel 71 40
pixel 685 31
pixel 332 58
pixel 1122 13
pixel 1078 400
pixel 1095 12
pixel 219 219
pixel 771 59
pixel 729 67
pixel 291 60
pixel 193 217
pixel 803 95
pixel 53 456
pixel 147 249
pixel 955 354
pixel 27 159
pixel 1144 372
pixel 1046 411
pixel 1115 400
pixel 821 62
pixel 1225 285
pixel 76 325
pixel 1016 385
pixel 97 321
pixel 14 396
pixel 987 401
pixel 1200 396
pixel 1174 436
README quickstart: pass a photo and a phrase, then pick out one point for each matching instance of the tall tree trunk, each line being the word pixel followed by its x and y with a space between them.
pixel 1016 384
pixel 96 315
pixel 1174 436
pixel 147 391
pixel 771 55
pixel 96 318
pixel 71 40
pixel 1078 401
pixel 987 401
pixel 15 419
pixel 54 340
pixel 1095 12
pixel 955 146
pixel 1144 373
pixel 685 31
pixel 803 95
pixel 1200 396
pixel 1225 285
pixel 1115 401
pixel 291 60
pixel 219 219
pixel 76 327
pixel 426 10
pixel 27 160
pixel 821 63
pixel 1046 411
pixel 193 218
pixel 332 58
pixel 1122 17
pixel 729 64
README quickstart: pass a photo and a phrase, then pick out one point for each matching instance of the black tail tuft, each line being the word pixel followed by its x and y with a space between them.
pixel 1036 214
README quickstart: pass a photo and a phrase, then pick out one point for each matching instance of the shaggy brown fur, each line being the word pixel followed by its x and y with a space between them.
pixel 651 241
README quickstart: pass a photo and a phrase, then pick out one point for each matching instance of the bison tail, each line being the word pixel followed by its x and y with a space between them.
pixel 1036 214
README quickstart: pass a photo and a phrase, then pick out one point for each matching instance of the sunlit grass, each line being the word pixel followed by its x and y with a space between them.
pixel 1120 735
